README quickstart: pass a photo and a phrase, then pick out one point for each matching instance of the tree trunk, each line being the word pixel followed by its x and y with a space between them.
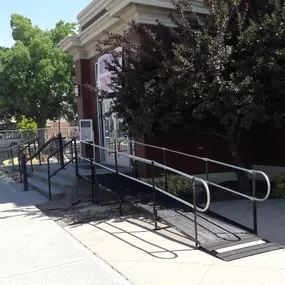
pixel 41 130
pixel 242 176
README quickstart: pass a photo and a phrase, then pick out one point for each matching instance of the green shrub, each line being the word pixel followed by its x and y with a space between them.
pixel 178 185
pixel 278 191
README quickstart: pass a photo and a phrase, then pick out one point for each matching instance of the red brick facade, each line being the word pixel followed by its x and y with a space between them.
pixel 87 100
pixel 192 143
pixel 264 146
pixel 259 147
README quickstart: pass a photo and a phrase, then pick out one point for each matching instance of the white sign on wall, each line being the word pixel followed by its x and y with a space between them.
pixel 86 130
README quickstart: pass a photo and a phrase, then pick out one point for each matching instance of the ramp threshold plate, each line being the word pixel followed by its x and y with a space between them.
pixel 240 246
pixel 220 238
pixel 245 250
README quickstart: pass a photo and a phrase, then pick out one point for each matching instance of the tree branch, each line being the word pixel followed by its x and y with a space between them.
pixel 281 116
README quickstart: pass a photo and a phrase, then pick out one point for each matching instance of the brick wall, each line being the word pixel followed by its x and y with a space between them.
pixel 87 101
pixel 195 144
pixel 269 146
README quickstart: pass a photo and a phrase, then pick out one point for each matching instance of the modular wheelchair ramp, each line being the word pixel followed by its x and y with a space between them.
pixel 217 236
pixel 212 233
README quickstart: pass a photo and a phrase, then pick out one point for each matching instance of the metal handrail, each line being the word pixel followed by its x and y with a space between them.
pixel 73 158
pixel 268 185
pixel 17 146
pixel 154 163
pixel 23 159
pixel 64 146
pixel 251 171
pixel 96 163
pixel 194 156
pixel 30 142
pixel 41 149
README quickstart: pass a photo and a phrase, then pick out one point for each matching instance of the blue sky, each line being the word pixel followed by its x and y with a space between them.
pixel 43 13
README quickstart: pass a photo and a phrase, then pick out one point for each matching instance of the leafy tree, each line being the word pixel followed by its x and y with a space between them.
pixel 132 101
pixel 26 124
pixel 36 76
pixel 28 127
pixel 224 71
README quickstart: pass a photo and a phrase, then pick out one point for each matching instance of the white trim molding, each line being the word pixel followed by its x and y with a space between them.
pixel 115 16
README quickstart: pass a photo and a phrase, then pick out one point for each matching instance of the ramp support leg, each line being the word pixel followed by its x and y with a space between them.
pixel 254 206
pixel 94 182
pixel 165 170
pixel 154 197
pixel 117 176
pixel 195 213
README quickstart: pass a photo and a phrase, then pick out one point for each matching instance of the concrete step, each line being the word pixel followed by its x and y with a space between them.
pixel 63 183
pixel 42 188
pixel 59 180
pixel 67 174
pixel 84 169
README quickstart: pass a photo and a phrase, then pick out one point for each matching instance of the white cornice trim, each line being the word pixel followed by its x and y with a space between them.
pixel 91 10
pixel 97 28
pixel 120 12
pixel 69 42
pixel 73 46
pixel 198 5
pixel 94 8
pixel 116 5
pixel 113 17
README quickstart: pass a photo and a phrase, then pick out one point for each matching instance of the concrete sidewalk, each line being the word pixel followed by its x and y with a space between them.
pixel 166 257
pixel 35 250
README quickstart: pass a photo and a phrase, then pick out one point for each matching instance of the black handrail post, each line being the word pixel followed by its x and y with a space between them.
pixel 35 145
pixel 195 213
pixel 76 160
pixel 49 183
pixel 20 167
pixel 165 170
pixel 207 169
pixel 154 196
pixel 13 163
pixel 117 178
pixel 93 180
pixel 57 155
pixel 96 183
pixel 254 206
pixel 133 162
pixel 71 151
pixel 60 150
pixel 30 158
pixel 137 171
pixel 40 157
pixel 25 174
pixel 8 153
pixel 207 172
pixel 95 176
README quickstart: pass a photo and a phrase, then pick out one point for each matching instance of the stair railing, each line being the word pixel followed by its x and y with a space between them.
pixel 25 157
pixel 63 164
